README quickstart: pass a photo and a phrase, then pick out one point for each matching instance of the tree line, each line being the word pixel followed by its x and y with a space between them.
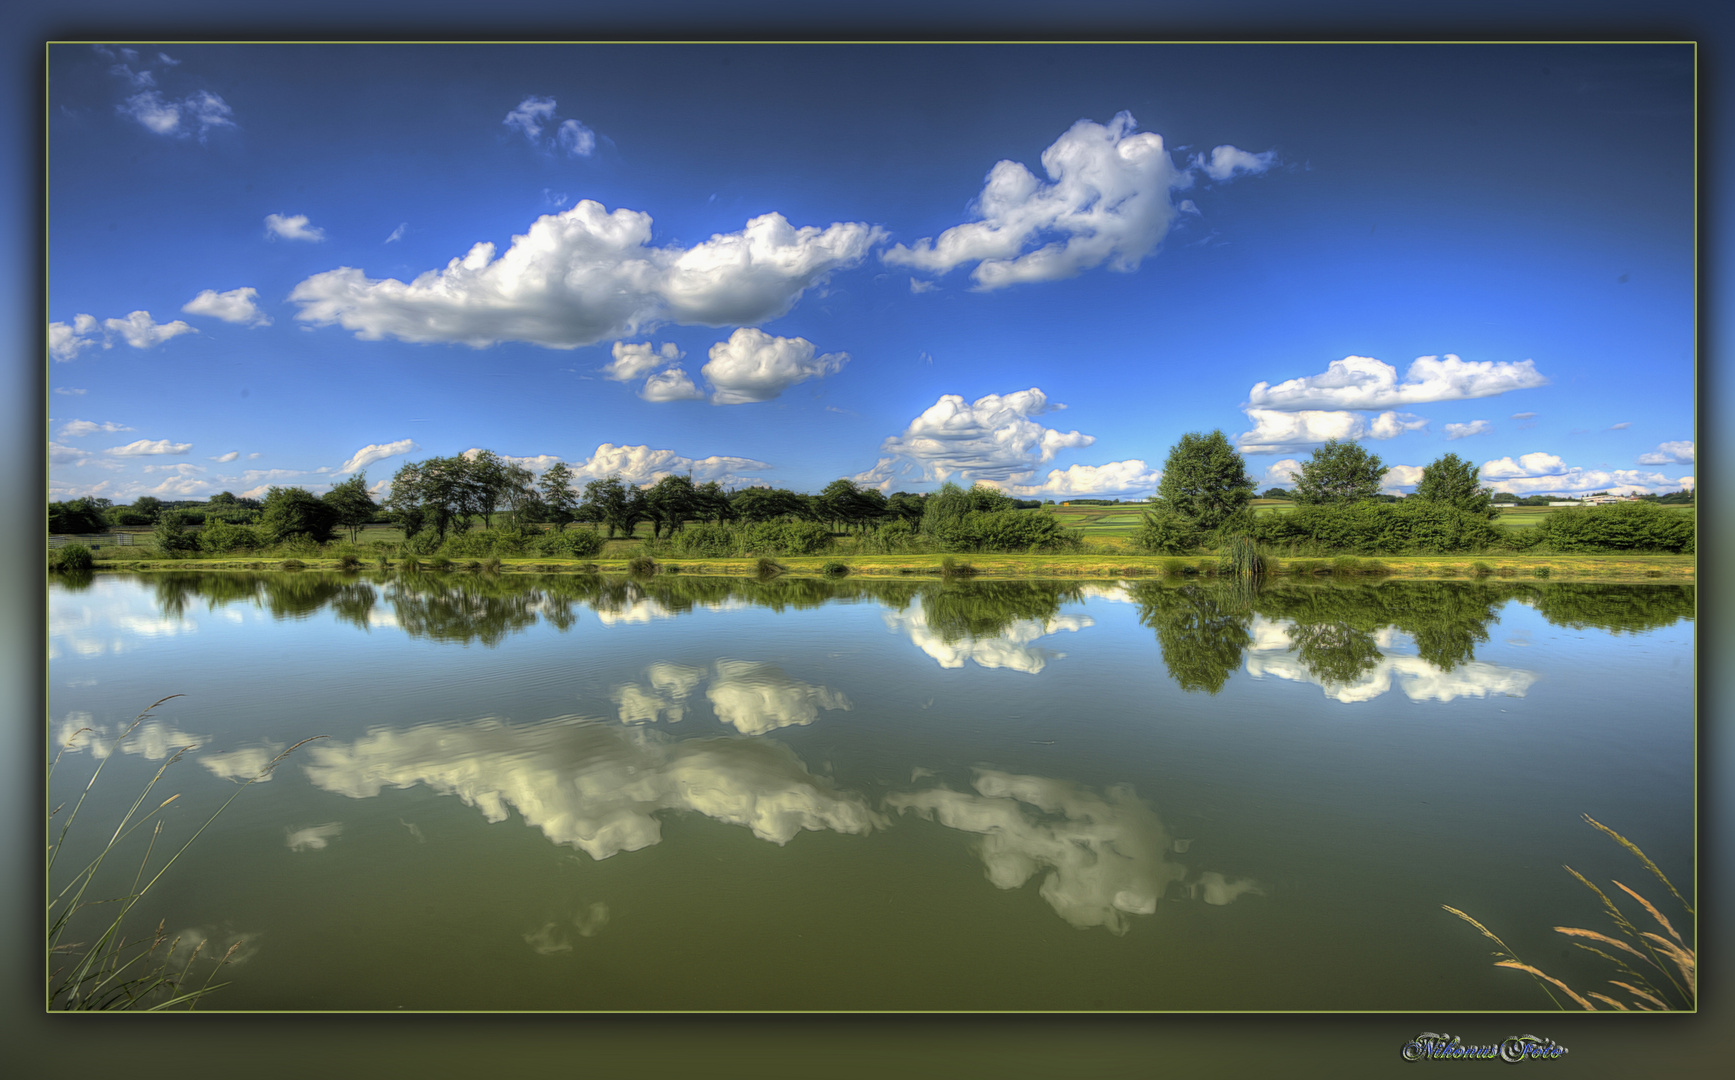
pixel 1204 499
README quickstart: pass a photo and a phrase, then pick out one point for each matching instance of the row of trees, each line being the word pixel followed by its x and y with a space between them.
pixel 445 494
pixel 1205 496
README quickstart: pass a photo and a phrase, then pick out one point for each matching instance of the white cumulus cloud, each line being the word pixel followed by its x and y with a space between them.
pixel 635 360
pixel 193 116
pixel 672 384
pixel 1115 478
pixel 76 428
pixel 755 366
pixel 585 274
pixel 226 458
pixel 1464 431
pixel 1527 465
pixel 141 332
pixel 235 306
pixel 1542 473
pixel 1400 476
pixel 1669 453
pixel 642 465
pixel 67 340
pixel 1226 162
pixel 373 452
pixel 1361 382
pixel 1106 197
pixel 991 438
pixel 145 447
pixel 530 117
pixel 535 115
pixel 292 227
pixel 1282 472
pixel 1279 432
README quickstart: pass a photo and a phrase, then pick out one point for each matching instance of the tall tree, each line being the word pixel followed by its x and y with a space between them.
pixel 1341 471
pixel 488 473
pixel 615 503
pixel 669 503
pixel 439 492
pixel 1205 480
pixel 711 502
pixel 557 494
pixel 77 516
pixel 293 511
pixel 1452 480
pixel 518 493
pixel 354 506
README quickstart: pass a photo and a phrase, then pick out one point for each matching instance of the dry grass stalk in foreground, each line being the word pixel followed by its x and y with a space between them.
pixel 111 973
pixel 1666 975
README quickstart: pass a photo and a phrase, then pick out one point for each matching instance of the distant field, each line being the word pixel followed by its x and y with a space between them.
pixel 1100 521
pixel 1528 517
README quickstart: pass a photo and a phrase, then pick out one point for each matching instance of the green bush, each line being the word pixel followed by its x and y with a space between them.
pixel 439 562
pixel 785 538
pixel 642 566
pixel 171 536
pixel 1166 531
pixel 299 547
pixel 895 537
pixel 768 567
pixel 71 559
pixel 834 569
pixel 1618 527
pixel 425 542
pixel 1003 530
pixel 1520 539
pixel 707 541
pixel 222 537
pixel 1410 526
pixel 568 544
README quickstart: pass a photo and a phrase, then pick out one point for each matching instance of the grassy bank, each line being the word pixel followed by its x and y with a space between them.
pixel 1110 563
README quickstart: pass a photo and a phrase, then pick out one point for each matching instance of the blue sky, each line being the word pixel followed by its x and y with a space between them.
pixel 1037 266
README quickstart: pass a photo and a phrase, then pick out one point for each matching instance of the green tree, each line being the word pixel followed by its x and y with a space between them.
pixel 1341 471
pixel 1275 493
pixel 149 506
pixel 557 495
pixel 1205 480
pixel 614 503
pixel 352 503
pixel 517 493
pixel 441 492
pixel 293 511
pixel 906 505
pixel 760 504
pixel 1451 480
pixel 711 502
pixel 171 533
pixel 669 503
pixel 77 516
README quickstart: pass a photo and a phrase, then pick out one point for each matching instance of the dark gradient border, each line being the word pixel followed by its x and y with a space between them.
pixel 772 1046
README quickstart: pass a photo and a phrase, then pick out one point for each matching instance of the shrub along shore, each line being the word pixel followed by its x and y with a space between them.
pixel 1086 564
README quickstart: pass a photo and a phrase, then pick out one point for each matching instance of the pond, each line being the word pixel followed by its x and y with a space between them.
pixel 704 793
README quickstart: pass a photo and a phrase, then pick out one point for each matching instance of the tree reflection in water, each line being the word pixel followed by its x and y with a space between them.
pixel 1204 629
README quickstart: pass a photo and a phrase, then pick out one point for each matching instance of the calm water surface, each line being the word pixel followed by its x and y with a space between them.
pixel 709 793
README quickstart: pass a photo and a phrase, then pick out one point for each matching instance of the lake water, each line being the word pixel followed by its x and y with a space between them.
pixel 582 793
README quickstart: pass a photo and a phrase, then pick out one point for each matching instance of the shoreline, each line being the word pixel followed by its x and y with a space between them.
pixel 1630 568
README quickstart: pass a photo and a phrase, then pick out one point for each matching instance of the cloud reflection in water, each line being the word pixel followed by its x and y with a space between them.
pixel 595 787
pixel 1106 854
